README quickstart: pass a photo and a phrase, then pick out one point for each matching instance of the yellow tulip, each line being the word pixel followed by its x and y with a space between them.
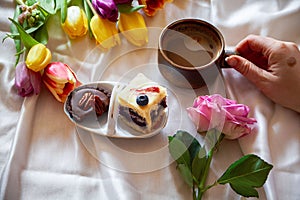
pixel 133 27
pixel 76 23
pixel 39 56
pixel 105 32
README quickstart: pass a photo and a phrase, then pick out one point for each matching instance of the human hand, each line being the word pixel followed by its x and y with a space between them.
pixel 273 66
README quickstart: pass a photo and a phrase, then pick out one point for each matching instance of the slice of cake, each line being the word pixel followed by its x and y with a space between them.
pixel 142 104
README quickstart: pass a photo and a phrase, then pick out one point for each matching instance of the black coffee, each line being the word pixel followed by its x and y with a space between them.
pixel 190 49
pixel 182 55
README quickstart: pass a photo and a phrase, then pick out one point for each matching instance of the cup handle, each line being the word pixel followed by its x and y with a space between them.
pixel 227 54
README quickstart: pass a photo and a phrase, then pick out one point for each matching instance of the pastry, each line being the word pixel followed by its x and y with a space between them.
pixel 142 104
pixel 88 102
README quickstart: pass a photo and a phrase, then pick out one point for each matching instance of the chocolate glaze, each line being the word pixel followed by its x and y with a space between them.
pixel 88 102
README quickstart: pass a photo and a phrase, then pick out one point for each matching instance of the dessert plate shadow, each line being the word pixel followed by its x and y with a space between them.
pixel 109 123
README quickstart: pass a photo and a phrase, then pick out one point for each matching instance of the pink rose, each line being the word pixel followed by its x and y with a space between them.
pixel 223 114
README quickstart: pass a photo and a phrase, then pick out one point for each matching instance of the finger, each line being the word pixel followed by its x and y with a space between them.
pixel 257 59
pixel 258 76
pixel 254 44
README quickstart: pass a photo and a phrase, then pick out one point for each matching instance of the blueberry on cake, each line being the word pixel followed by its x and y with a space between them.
pixel 142 104
pixel 88 102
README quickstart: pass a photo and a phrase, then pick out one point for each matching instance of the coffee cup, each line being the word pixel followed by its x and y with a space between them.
pixel 191 53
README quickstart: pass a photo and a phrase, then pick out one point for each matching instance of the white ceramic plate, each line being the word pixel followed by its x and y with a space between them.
pixel 109 123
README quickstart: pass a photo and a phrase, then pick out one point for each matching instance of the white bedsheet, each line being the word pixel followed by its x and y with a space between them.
pixel 43 157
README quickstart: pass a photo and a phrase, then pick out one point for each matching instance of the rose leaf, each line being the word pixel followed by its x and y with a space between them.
pixel 190 142
pixel 186 174
pixel 198 163
pixel 179 152
pixel 246 174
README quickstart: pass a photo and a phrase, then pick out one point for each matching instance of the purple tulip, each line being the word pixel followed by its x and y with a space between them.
pixel 27 82
pixel 107 9
pixel 123 1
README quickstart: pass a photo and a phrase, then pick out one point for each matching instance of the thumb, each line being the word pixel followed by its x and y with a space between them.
pixel 252 72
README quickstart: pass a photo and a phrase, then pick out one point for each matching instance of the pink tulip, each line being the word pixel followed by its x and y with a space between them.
pixel 27 82
pixel 60 80
pixel 223 114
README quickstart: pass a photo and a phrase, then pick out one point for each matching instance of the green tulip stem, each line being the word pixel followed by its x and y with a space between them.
pixel 20 2
pixel 91 7
pixel 201 187
pixel 89 15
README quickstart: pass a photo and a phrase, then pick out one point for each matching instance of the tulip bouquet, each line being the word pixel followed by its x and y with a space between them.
pixel 103 19
pixel 30 35
pixel 216 118
pixel 123 16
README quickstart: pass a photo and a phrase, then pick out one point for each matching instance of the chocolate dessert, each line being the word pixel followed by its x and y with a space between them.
pixel 88 102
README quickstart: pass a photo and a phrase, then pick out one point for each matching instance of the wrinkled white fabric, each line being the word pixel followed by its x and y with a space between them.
pixel 43 155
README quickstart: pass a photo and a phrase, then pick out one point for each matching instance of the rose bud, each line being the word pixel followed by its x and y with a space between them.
pixel 60 80
pixel 27 82
pixel 105 32
pixel 76 23
pixel 133 27
pixel 223 114
pixel 106 9
pixel 38 57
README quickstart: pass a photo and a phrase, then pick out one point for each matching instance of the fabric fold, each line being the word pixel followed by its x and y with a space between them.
pixel 49 160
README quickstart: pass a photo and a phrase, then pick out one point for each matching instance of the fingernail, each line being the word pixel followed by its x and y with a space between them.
pixel 231 61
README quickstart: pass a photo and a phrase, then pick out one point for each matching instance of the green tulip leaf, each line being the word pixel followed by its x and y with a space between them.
pixel 14 30
pixel 30 2
pixel 47 6
pixel 76 3
pixel 186 174
pixel 59 2
pixel 63 11
pixel 245 174
pixel 26 39
pixel 15 34
pixel 45 12
pixel 41 35
pixel 127 8
pixel 179 152
pixel 38 25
